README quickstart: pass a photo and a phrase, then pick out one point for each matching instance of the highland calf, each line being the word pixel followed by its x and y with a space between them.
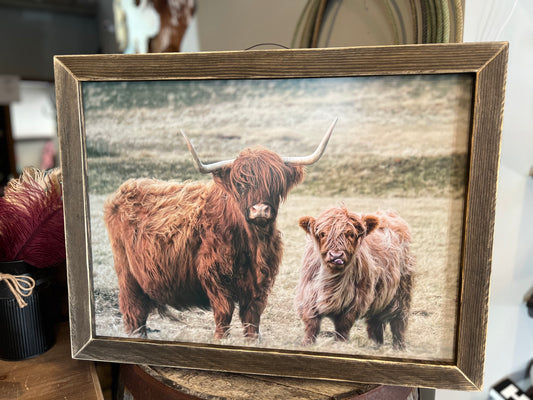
pixel 198 244
pixel 356 266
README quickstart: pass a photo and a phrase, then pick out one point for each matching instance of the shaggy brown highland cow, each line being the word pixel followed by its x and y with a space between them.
pixel 207 245
pixel 356 266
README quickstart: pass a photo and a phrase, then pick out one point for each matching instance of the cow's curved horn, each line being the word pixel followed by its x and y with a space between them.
pixel 313 158
pixel 201 167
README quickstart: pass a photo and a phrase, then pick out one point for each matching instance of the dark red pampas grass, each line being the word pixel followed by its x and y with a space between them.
pixel 31 219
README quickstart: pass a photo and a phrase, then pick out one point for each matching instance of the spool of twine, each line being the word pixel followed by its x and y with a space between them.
pixel 20 285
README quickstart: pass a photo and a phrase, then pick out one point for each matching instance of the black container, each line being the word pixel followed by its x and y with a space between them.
pixel 29 331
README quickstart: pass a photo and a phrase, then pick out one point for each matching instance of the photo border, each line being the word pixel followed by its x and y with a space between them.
pixel 486 62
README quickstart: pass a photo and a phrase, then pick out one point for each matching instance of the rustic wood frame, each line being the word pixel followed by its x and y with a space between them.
pixel 486 62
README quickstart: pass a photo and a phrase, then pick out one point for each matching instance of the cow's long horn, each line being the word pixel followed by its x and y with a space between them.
pixel 313 158
pixel 201 167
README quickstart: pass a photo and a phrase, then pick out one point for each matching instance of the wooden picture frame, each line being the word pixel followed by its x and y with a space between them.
pixel 476 70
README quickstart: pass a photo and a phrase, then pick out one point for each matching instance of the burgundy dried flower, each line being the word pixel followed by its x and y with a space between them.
pixel 31 219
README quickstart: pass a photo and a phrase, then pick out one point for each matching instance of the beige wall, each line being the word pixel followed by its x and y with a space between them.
pixel 240 24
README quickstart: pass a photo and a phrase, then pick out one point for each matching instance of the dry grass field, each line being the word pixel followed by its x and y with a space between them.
pixel 400 143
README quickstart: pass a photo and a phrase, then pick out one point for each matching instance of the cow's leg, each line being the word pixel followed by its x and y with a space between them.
pixel 135 307
pixel 223 307
pixel 250 314
pixel 220 298
pixel 223 313
pixel 398 326
pixel 375 328
pixel 134 303
pixel 398 322
pixel 312 328
pixel 343 324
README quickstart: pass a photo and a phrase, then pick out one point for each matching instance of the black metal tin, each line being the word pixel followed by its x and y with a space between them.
pixel 29 331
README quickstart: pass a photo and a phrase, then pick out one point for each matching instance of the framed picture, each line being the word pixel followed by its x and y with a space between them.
pixel 318 213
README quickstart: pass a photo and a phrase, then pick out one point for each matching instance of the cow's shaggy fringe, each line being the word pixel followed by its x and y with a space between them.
pixel 356 266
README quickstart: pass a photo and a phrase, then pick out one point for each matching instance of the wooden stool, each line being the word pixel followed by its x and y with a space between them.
pixel 146 382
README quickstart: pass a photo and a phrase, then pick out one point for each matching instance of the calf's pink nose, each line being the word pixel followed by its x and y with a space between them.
pixel 335 254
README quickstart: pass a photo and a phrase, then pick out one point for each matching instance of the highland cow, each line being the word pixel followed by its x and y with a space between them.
pixel 356 266
pixel 198 244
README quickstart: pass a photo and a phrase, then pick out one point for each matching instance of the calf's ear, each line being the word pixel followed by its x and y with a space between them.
pixel 307 223
pixel 371 222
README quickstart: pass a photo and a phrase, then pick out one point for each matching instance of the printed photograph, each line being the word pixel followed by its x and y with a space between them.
pixel 322 215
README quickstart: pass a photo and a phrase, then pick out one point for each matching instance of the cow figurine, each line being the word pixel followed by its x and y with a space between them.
pixel 198 244
pixel 356 266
